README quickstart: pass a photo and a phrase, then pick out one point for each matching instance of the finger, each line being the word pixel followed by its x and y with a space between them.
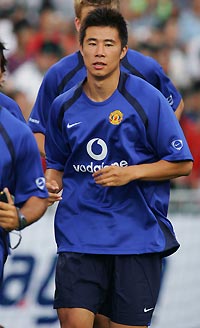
pixel 52 186
pixel 51 201
pixel 102 177
pixel 105 182
pixel 9 197
pixel 102 171
pixel 54 196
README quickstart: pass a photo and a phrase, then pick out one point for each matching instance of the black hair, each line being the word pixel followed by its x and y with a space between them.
pixel 21 25
pixel 105 17
pixel 3 60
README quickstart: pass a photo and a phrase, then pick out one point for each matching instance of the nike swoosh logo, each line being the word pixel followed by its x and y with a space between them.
pixel 147 310
pixel 69 126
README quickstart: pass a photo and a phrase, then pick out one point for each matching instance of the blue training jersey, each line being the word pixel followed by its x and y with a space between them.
pixel 71 70
pixel 12 106
pixel 20 164
pixel 135 125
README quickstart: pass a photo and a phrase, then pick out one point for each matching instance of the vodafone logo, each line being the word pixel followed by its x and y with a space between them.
pixel 104 149
pixel 97 150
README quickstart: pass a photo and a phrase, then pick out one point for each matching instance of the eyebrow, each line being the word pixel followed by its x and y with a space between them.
pixel 105 40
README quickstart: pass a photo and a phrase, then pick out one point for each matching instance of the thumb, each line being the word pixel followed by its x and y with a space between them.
pixel 9 197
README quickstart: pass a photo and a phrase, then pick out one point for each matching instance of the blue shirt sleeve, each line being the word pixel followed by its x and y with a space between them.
pixel 29 174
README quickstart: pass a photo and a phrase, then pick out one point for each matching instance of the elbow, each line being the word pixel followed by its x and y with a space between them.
pixel 188 168
pixel 45 205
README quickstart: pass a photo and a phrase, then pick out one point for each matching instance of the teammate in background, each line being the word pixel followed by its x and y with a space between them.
pixel 71 70
pixel 112 145
pixel 6 101
pixel 21 179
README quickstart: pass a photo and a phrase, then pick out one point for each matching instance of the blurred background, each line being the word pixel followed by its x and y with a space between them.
pixel 37 34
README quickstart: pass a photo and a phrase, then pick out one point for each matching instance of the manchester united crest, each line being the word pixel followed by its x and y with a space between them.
pixel 116 117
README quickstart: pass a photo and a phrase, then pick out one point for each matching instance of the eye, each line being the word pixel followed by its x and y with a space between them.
pixel 92 43
pixel 109 45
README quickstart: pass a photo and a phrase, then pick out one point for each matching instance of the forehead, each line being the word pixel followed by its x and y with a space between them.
pixel 85 11
pixel 102 33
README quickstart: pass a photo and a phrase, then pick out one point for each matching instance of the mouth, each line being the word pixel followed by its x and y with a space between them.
pixel 99 65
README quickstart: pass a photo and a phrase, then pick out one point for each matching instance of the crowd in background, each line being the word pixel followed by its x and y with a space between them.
pixel 37 33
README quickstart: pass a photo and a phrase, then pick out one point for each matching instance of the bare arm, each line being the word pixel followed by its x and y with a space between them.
pixel 33 209
pixel 40 142
pixel 179 110
pixel 54 185
pixel 158 171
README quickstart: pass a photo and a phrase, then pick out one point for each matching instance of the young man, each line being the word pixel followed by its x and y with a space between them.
pixel 21 180
pixel 6 101
pixel 71 70
pixel 112 145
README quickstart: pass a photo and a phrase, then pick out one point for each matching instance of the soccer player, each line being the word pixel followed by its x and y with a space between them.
pixel 112 145
pixel 21 180
pixel 6 101
pixel 70 70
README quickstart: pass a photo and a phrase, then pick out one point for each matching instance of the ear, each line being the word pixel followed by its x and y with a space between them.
pixel 123 52
pixel 77 23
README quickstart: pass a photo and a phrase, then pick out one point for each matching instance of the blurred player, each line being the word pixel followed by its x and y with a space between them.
pixel 6 101
pixel 21 180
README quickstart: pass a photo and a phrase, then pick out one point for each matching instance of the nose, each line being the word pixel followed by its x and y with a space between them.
pixel 100 50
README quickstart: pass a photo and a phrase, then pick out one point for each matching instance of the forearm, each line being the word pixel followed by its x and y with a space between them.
pixel 161 170
pixel 40 142
pixel 179 110
pixel 34 208
pixel 158 171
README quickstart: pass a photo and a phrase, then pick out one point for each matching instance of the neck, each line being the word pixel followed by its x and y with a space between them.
pixel 100 89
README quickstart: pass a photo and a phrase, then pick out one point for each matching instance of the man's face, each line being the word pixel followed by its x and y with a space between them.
pixel 101 51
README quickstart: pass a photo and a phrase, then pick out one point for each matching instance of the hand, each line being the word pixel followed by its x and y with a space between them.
pixel 112 176
pixel 53 190
pixel 8 213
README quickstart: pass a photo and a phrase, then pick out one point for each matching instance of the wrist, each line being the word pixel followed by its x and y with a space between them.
pixel 21 220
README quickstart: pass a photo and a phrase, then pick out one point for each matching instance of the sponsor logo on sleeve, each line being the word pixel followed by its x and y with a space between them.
pixel 170 100
pixel 33 120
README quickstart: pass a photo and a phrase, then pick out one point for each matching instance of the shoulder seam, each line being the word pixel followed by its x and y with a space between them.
pixel 70 74
pixel 132 100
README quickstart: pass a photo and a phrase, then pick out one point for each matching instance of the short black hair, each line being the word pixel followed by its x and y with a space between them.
pixel 105 17
pixel 3 60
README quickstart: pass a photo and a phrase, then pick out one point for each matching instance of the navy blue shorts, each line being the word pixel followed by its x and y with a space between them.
pixel 123 287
